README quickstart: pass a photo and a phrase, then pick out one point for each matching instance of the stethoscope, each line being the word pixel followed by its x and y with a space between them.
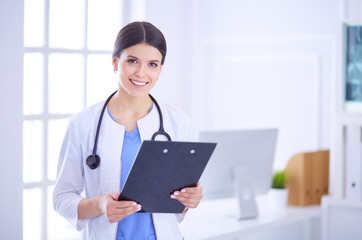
pixel 94 160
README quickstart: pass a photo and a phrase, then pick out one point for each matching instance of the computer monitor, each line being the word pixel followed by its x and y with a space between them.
pixel 253 149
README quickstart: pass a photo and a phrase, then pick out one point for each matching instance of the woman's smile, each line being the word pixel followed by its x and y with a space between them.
pixel 138 83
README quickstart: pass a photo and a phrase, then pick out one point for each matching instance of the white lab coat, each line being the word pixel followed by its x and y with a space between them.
pixel 74 175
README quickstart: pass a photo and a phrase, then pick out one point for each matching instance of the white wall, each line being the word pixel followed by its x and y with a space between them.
pixel 253 64
pixel 11 73
pixel 174 19
pixel 269 63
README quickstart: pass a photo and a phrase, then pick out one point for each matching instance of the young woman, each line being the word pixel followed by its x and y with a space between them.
pixel 130 116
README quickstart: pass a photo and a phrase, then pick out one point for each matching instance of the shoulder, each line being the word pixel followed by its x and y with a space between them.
pixel 87 117
pixel 179 121
pixel 174 113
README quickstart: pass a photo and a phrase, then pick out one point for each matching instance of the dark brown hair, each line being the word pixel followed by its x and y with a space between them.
pixel 140 32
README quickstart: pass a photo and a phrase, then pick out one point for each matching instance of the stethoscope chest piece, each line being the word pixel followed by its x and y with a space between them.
pixel 93 161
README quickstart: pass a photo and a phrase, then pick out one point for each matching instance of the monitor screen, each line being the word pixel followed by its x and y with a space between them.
pixel 253 149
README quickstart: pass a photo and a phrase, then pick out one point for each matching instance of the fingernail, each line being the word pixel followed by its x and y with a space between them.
pixel 134 203
pixel 183 190
pixel 173 196
pixel 175 193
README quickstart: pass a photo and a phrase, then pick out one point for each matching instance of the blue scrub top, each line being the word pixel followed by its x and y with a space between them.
pixel 138 226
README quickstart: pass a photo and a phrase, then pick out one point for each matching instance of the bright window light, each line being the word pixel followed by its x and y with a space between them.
pixel 66 80
pixel 102 31
pixel 66 24
pixel 33 83
pixel 32 207
pixel 56 132
pixel 67 67
pixel 34 23
pixel 32 151
pixel 101 81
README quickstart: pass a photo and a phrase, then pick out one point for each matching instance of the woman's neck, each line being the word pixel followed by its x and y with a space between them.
pixel 126 109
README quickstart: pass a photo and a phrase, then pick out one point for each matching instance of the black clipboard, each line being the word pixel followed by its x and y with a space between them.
pixel 160 168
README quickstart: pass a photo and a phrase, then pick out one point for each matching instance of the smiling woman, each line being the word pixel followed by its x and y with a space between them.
pixel 129 118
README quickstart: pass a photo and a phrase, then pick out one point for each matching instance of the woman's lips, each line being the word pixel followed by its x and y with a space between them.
pixel 138 83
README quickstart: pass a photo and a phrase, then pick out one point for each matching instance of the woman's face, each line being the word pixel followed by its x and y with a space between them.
pixel 138 69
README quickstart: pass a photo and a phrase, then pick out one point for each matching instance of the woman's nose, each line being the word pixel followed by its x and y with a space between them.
pixel 140 72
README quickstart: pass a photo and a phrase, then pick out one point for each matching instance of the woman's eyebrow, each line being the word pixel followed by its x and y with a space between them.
pixel 131 56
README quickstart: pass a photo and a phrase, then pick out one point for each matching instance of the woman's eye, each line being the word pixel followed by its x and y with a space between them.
pixel 153 64
pixel 132 61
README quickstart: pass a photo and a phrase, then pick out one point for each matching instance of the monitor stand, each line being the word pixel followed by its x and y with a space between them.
pixel 245 193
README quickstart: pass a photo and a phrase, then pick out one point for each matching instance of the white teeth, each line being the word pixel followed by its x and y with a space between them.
pixel 139 83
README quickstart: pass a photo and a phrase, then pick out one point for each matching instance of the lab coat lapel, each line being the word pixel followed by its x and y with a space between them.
pixel 150 124
pixel 110 147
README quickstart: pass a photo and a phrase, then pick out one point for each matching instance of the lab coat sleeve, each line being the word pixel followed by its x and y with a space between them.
pixel 180 216
pixel 69 185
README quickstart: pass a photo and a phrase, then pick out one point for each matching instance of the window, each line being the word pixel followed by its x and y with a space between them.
pixel 67 67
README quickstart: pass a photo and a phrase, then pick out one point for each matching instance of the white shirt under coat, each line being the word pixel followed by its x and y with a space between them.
pixel 74 175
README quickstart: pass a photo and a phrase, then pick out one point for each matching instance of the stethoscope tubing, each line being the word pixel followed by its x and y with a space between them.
pixel 161 130
pixel 100 122
pixel 94 158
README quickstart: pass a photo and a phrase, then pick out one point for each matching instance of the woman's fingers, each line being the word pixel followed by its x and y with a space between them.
pixel 124 204
pixel 117 210
pixel 117 214
pixel 189 203
pixel 190 197
pixel 197 188
pixel 121 213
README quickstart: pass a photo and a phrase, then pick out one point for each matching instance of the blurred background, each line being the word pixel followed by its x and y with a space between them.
pixel 231 64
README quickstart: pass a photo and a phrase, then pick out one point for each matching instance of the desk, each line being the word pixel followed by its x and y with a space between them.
pixel 217 219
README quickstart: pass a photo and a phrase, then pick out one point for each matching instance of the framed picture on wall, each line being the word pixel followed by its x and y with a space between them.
pixel 353 70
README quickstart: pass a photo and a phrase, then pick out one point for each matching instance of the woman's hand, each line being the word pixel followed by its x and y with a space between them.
pixel 189 197
pixel 117 210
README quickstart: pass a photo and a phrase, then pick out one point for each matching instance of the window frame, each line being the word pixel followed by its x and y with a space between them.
pixel 45 116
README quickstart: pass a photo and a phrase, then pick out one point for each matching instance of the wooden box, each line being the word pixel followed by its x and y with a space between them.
pixel 308 178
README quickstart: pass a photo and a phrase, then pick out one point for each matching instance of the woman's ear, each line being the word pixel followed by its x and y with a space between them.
pixel 115 64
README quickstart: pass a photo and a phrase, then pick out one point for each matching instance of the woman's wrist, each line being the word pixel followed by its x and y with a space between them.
pixel 90 207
